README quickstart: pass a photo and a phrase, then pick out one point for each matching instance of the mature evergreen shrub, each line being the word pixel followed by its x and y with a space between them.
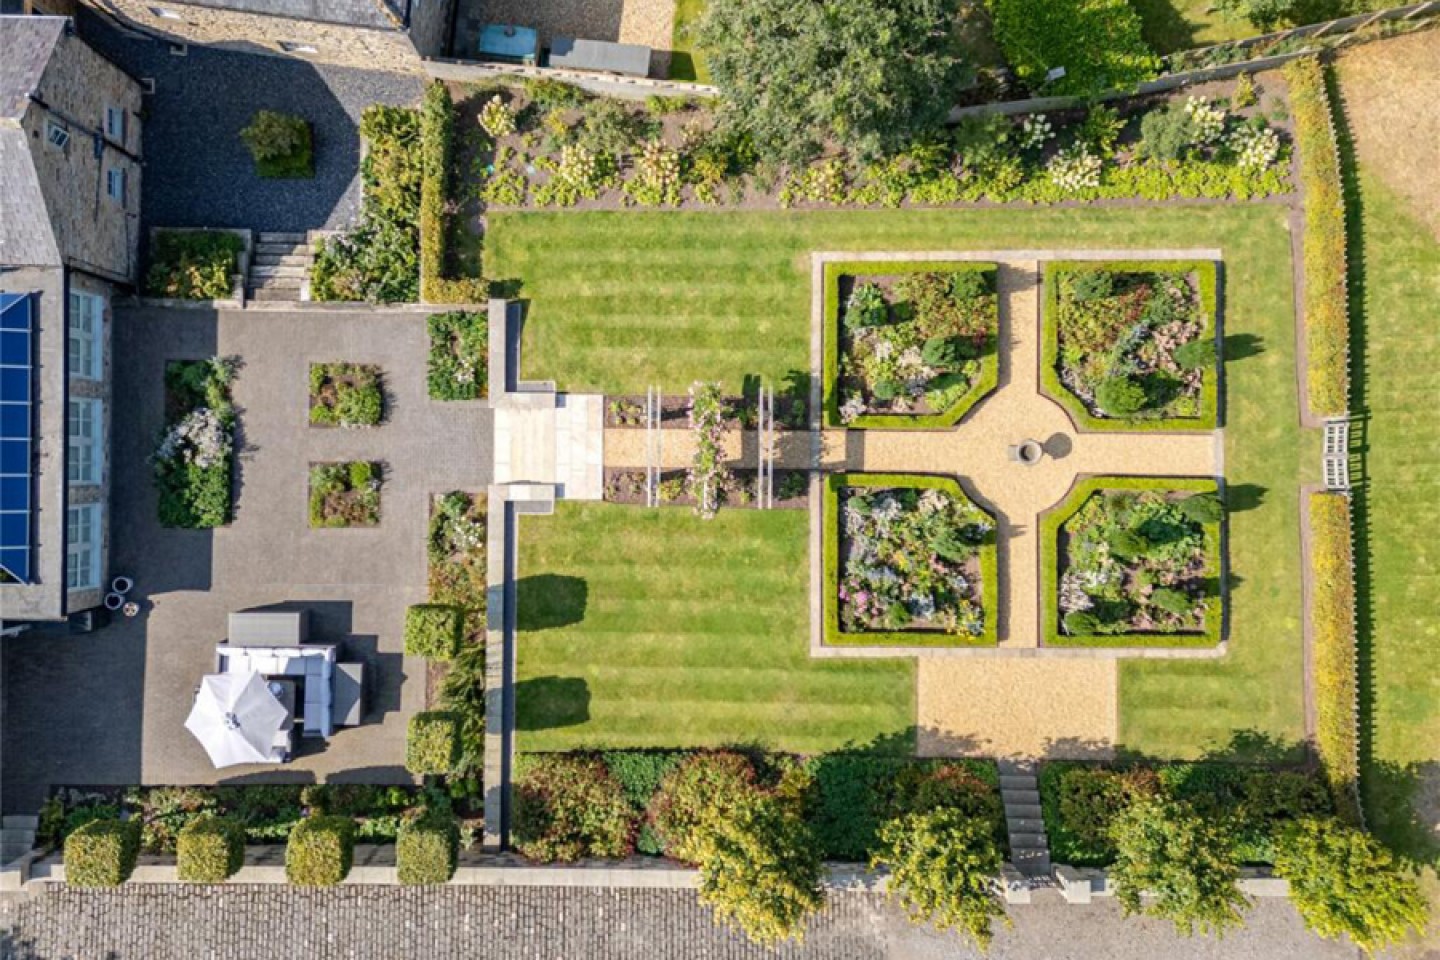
pixel 426 849
pixel 433 630
pixel 102 853
pixel 432 742
pixel 209 850
pixel 320 851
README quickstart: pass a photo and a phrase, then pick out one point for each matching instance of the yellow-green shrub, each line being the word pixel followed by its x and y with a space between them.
pixel 437 131
pixel 102 853
pixel 209 850
pixel 1332 625
pixel 1327 317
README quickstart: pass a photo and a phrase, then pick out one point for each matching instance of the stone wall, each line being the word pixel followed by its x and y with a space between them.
pixel 430 26
pixel 372 48
pixel 94 232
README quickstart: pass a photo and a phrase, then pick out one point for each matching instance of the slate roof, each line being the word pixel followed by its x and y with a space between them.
pixel 379 14
pixel 28 43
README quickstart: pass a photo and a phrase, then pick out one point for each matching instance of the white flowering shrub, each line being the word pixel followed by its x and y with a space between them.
pixel 1034 131
pixel 1207 121
pixel 1074 169
pixel 1255 148
pixel 656 181
pixel 199 439
pixel 497 117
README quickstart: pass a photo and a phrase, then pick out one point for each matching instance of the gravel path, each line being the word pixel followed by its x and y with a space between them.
pixel 535 923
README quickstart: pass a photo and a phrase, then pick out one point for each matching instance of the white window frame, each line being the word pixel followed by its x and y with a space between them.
pixel 115 124
pixel 56 136
pixel 82 552
pixel 84 448
pixel 87 335
pixel 114 175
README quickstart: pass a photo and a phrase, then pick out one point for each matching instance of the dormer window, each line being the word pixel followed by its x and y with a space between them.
pixel 56 135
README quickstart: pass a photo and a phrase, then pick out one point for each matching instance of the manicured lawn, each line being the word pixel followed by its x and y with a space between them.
pixel 654 628
pixel 686 61
pixel 1172 25
pixel 622 300
pixel 1402 473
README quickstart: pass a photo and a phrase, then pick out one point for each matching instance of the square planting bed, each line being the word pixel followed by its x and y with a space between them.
pixel 345 395
pixel 908 344
pixel 345 494
pixel 1132 344
pixel 910 561
pixel 1134 562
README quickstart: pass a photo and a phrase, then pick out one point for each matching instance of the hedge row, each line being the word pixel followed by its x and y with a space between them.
pixel 1207 279
pixel 437 134
pixel 830 522
pixel 1327 322
pixel 1332 625
pixel 1050 524
pixel 985 383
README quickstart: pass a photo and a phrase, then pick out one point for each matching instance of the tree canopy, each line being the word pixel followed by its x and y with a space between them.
pixel 1098 42
pixel 871 75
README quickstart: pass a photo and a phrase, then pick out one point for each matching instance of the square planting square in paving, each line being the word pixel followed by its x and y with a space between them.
pixel 345 395
pixel 345 494
pixel 909 561
pixel 1132 345
pixel 1134 562
pixel 908 344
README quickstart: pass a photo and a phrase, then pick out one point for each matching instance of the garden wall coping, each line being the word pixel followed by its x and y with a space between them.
pixel 633 88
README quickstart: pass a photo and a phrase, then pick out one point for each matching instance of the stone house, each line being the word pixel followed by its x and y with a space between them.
pixel 390 35
pixel 69 238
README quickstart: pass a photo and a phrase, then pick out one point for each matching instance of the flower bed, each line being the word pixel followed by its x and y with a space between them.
pixel 1132 562
pixel 908 344
pixel 194 459
pixel 1131 345
pixel 345 395
pixel 740 413
pixel 345 494
pixel 627 485
pixel 909 561
pixel 193 264
pixel 1079 801
pixel 456 550
pixel 459 356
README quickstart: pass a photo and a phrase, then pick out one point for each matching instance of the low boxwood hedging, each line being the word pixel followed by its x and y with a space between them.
pixel 1327 316
pixel 426 849
pixel 209 850
pixel 433 630
pixel 102 853
pixel 1207 281
pixel 437 133
pixel 1332 625
pixel 985 381
pixel 320 851
pixel 432 742
pixel 989 588
pixel 1051 633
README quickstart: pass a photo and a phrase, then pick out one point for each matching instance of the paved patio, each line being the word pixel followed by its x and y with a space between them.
pixel 110 707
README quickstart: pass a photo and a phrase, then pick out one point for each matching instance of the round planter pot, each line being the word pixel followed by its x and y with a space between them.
pixel 122 585
pixel 114 601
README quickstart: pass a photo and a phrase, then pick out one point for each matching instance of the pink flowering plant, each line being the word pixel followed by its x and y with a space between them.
pixel 708 474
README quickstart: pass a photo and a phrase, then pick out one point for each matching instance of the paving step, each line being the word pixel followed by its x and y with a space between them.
pixel 20 821
pixel 291 238
pixel 1024 825
pixel 296 272
pixel 1028 841
pixel 283 249
pixel 1025 798
pixel 280 294
pixel 1018 781
pixel 1031 863
pixel 281 260
pixel 1023 811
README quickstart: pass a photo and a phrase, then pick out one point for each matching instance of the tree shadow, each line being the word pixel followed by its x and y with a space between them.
pixel 1241 497
pixel 1163 27
pixel 545 703
pixel 1058 446
pixel 548 601
pixel 1401 803
pixel 1242 346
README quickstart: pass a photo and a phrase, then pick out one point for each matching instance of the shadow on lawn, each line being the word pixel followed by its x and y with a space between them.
pixel 548 601
pixel 1243 346
pixel 549 702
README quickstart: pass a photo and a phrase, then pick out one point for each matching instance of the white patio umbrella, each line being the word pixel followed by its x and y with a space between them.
pixel 235 718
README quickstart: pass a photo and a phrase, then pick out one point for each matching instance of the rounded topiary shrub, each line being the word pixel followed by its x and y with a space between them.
pixel 707 784
pixel 432 742
pixel 426 848
pixel 209 850
pixel 102 853
pixel 568 807
pixel 433 630
pixel 320 851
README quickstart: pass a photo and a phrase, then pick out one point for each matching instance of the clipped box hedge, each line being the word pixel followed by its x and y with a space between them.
pixel 985 382
pixel 1332 626
pixel 437 134
pixel 320 851
pixel 426 849
pixel 433 630
pixel 1207 281
pixel 209 850
pixel 1327 315
pixel 1050 523
pixel 830 520
pixel 433 742
pixel 102 853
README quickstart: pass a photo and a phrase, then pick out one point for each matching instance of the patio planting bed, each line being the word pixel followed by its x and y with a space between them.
pixel 194 461
pixel 653 628
pixel 345 494
pixel 345 395
pixel 1167 551
pixel 953 574
pixel 1131 330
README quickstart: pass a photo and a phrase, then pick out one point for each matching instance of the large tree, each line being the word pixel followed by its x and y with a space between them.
pixel 872 75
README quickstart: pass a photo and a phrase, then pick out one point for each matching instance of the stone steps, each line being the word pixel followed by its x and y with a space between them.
pixel 17 836
pixel 1024 822
pixel 279 267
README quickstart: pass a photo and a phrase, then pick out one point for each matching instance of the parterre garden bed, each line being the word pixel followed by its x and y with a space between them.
pixel 345 494
pixel 909 561
pixel 1131 345
pixel 909 344
pixel 1133 561
pixel 194 459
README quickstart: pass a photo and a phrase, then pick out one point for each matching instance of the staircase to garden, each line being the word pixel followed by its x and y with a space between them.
pixel 279 267
pixel 17 836
pixel 1020 792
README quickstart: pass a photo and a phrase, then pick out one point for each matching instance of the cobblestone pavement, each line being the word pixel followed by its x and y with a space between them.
pixel 539 923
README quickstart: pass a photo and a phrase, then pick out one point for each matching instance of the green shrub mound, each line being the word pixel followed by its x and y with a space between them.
pixel 102 853
pixel 426 849
pixel 943 866
pixel 433 630
pixel 346 395
pixel 194 458
pixel 432 743
pixel 209 849
pixel 193 264
pixel 703 785
pixel 320 851
pixel 280 145
pixel 569 806
pixel 345 494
